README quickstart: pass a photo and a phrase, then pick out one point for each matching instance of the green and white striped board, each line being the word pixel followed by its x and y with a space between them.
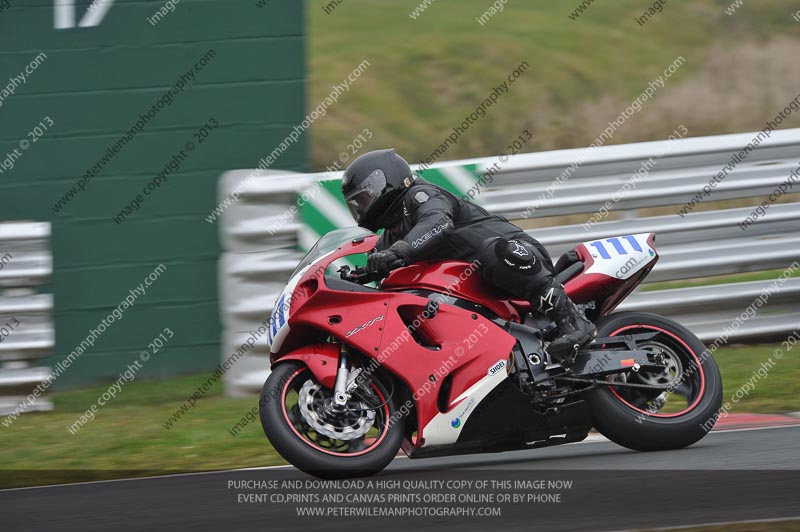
pixel 326 210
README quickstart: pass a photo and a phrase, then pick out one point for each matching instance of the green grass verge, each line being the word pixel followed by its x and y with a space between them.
pixel 128 434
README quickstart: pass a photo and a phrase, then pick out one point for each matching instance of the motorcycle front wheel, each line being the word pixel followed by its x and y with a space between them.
pixel 676 416
pixel 304 425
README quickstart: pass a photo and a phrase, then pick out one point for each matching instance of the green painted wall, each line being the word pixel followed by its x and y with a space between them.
pixel 93 85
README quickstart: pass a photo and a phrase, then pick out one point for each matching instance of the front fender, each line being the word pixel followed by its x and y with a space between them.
pixel 321 359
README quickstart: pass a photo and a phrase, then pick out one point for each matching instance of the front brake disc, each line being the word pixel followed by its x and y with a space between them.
pixel 357 417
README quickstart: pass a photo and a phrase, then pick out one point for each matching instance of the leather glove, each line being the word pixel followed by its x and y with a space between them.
pixel 395 256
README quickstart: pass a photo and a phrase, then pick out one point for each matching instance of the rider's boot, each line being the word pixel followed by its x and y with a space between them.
pixel 573 329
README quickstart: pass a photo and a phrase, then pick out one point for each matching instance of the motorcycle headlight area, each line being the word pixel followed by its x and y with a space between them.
pixel 280 315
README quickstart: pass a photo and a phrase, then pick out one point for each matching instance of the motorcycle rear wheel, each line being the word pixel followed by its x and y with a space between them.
pixel 655 421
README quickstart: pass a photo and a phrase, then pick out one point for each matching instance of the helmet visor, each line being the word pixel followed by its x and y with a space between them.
pixel 365 194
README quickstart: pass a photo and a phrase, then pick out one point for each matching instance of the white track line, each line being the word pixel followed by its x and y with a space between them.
pixel 596 437
pixel 176 475
pixel 721 523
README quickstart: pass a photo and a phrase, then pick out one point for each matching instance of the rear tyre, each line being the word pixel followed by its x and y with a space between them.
pixel 297 418
pixel 654 421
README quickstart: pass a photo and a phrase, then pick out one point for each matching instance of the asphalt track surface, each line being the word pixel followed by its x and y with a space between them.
pixel 731 475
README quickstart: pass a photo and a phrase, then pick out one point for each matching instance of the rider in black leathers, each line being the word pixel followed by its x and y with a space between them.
pixel 423 221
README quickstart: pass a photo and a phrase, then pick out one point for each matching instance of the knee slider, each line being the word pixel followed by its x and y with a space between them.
pixel 519 255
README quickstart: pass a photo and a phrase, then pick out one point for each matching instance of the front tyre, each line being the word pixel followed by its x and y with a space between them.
pixel 298 418
pixel 677 417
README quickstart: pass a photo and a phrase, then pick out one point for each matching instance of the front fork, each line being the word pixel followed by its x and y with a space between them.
pixel 346 379
pixel 340 394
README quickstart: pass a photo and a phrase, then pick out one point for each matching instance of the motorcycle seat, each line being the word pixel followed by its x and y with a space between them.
pixel 568 266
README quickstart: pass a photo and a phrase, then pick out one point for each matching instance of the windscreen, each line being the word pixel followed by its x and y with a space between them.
pixel 329 242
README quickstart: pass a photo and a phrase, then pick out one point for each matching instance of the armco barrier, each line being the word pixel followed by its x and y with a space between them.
pixel 262 244
pixel 26 323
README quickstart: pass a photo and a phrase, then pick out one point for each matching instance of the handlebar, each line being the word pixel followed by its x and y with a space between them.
pixel 399 263
pixel 363 276
pixel 357 275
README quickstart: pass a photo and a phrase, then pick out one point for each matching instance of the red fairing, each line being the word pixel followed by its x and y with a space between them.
pixel 456 342
pixel 376 325
pixel 455 278
pixel 321 359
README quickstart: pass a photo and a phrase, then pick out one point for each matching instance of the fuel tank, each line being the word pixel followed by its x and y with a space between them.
pixel 455 278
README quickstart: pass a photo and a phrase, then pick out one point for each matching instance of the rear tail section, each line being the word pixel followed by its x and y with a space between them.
pixel 607 270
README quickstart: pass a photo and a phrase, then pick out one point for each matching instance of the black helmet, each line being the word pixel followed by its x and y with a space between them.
pixel 371 183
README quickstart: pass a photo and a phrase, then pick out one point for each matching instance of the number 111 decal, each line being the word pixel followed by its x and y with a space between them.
pixel 618 247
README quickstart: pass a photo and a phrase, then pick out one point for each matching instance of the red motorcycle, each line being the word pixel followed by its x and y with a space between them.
pixel 435 362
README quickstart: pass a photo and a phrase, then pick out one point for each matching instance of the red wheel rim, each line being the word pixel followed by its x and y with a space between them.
pixel 688 350
pixel 374 445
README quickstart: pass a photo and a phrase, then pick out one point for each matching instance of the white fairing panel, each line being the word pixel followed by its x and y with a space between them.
pixel 279 321
pixel 620 256
pixel 444 429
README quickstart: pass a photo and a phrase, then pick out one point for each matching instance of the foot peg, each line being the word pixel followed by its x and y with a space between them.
pixel 564 354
